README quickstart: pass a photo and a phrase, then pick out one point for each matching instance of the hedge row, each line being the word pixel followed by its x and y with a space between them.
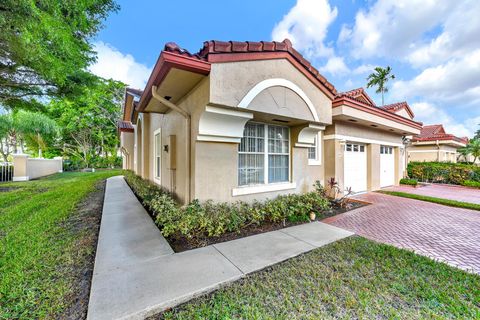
pixel 210 219
pixel 443 172
pixel 410 182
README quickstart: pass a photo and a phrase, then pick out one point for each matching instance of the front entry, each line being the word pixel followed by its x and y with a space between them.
pixel 387 166
pixel 355 167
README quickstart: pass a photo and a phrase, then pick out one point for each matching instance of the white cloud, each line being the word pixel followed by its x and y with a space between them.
pixel 364 68
pixel 112 64
pixel 391 27
pixel 456 81
pixel 460 35
pixel 306 25
pixel 430 113
pixel 335 65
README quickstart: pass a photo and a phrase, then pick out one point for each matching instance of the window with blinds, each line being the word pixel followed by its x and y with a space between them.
pixel 264 154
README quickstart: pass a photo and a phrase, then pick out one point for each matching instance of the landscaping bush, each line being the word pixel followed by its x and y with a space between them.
pixel 443 172
pixel 410 182
pixel 210 219
pixel 471 183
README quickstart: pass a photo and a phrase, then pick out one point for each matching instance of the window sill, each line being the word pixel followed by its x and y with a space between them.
pixel 312 162
pixel 240 191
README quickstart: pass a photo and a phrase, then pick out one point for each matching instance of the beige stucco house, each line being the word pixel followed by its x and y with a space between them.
pixel 253 120
pixel 434 144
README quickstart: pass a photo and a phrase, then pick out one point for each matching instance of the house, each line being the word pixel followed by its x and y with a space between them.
pixel 253 120
pixel 434 144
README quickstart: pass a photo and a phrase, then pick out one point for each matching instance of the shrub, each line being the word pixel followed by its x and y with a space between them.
pixel 471 183
pixel 210 219
pixel 443 172
pixel 410 182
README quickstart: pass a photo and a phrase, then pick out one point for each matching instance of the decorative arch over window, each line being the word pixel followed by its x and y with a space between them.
pixel 277 82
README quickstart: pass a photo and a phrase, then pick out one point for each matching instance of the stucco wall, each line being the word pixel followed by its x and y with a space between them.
pixel 334 150
pixel 216 173
pixel 427 153
pixel 231 81
pixel 26 168
pixel 127 141
pixel 354 130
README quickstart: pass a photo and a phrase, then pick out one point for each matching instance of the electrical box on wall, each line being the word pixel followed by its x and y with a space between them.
pixel 172 153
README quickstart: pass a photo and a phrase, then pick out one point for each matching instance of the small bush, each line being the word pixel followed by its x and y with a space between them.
pixel 210 219
pixel 410 182
pixel 471 183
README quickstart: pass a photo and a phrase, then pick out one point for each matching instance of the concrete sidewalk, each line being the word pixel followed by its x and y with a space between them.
pixel 136 273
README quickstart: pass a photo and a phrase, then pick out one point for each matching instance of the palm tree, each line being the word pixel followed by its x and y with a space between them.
pixel 463 153
pixel 379 79
pixel 474 149
pixel 35 127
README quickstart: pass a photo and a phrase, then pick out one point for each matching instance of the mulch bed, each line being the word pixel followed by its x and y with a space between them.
pixel 184 244
pixel 86 224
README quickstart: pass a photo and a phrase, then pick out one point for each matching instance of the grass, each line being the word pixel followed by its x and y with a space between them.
pixel 37 247
pixel 352 278
pixel 446 202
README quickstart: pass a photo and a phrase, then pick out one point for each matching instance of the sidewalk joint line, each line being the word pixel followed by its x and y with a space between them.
pixel 229 260
pixel 311 244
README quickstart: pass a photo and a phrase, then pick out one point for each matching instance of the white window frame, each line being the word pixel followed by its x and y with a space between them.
pixel 266 186
pixel 318 151
pixel 157 179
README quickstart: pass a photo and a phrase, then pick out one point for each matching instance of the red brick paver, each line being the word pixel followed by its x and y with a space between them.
pixel 443 233
pixel 458 193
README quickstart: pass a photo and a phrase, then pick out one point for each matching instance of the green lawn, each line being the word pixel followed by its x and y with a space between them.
pixel 352 278
pixel 446 202
pixel 38 244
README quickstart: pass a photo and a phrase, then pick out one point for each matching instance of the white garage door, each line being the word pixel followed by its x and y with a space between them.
pixel 387 166
pixel 355 167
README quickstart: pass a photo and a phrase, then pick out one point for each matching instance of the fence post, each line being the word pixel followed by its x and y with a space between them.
pixel 20 167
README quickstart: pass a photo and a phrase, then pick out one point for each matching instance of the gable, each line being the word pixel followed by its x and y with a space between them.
pixel 403 112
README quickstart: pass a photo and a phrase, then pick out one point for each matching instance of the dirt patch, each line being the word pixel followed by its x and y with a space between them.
pixel 7 189
pixel 180 244
pixel 85 226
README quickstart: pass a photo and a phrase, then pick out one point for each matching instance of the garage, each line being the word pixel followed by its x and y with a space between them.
pixel 355 167
pixel 387 166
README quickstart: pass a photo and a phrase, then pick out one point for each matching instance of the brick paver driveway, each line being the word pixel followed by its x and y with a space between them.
pixel 458 193
pixel 443 233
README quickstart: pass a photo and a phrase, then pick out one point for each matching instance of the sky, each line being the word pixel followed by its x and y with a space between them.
pixel 432 46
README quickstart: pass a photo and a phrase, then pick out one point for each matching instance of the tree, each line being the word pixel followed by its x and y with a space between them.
pixel 89 121
pixel 473 147
pixel 44 46
pixel 379 79
pixel 35 128
pixel 25 127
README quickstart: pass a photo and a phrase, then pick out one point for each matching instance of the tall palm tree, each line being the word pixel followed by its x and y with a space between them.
pixel 379 79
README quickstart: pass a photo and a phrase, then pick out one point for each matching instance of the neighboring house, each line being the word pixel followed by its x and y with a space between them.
pixel 253 120
pixel 434 144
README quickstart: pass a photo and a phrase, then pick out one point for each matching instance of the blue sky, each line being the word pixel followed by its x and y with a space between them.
pixel 433 48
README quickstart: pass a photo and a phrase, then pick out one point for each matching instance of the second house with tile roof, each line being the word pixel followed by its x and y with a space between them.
pixel 253 120
pixel 434 144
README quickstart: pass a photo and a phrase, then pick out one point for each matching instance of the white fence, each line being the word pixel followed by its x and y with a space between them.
pixel 6 171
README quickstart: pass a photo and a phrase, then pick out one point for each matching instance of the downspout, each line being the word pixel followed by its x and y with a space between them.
pixel 188 134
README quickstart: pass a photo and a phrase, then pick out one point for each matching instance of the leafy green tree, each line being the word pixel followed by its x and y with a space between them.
pixel 35 128
pixel 379 79
pixel 25 128
pixel 89 121
pixel 473 147
pixel 44 46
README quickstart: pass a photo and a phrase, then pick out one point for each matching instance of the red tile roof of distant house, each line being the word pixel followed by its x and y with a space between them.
pixel 359 99
pixel 394 107
pixel 231 51
pixel 437 132
pixel 125 126
pixel 358 94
